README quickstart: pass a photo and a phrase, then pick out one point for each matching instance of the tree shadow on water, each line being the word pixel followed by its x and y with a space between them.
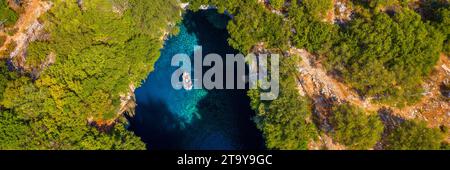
pixel 211 38
pixel 227 117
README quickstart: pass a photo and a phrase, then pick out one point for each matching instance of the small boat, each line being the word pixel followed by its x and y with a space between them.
pixel 187 81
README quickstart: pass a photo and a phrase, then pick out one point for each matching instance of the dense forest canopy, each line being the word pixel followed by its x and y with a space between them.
pixel 7 15
pixel 310 31
pixel 355 128
pixel 270 29
pixel 381 54
pixel 413 135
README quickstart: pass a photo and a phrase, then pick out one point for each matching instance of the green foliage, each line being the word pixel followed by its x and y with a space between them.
pixel 284 121
pixel 311 33
pixel 381 55
pixel 412 135
pixel 7 15
pixel 438 12
pixel 354 128
pixel 147 15
pixel 317 9
pixel 387 57
pixel 254 24
pixel 231 6
pixel 444 26
pixel 2 40
pixel 37 54
pixel 277 4
pixel 5 77
pixel 99 50
pixel 381 4
pixel 445 146
pixel 98 54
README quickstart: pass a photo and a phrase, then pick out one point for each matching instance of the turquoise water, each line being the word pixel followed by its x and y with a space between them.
pixel 198 119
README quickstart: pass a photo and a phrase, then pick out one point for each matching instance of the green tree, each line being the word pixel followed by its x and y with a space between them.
pixel 99 50
pixel 438 12
pixel 310 32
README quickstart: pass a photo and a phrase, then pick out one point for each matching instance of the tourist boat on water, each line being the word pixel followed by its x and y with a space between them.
pixel 187 81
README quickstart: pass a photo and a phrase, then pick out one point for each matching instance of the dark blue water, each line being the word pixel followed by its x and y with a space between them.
pixel 198 119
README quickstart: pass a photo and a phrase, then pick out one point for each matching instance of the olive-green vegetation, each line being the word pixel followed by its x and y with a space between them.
pixel 386 57
pixel 95 49
pixel 438 13
pixel 2 40
pixel 355 128
pixel 277 4
pixel 7 15
pixel 270 29
pixel 445 146
pixel 379 5
pixel 285 122
pixel 252 24
pixel 98 48
pixel 311 32
pixel 384 52
pixel 411 135
pixel 155 16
